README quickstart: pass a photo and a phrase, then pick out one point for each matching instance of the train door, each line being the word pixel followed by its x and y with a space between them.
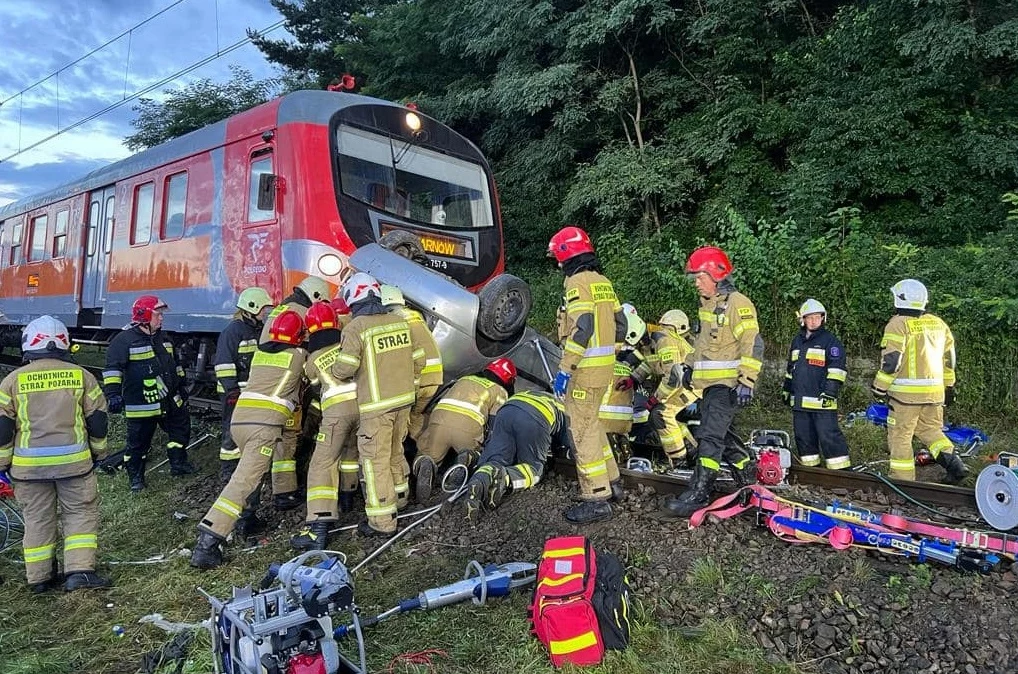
pixel 98 246
pixel 254 256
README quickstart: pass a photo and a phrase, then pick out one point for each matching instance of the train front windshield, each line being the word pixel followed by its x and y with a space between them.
pixel 431 182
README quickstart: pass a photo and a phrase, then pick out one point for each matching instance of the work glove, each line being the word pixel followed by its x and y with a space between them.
pixel 827 400
pixel 561 384
pixel 5 476
pixel 787 397
pixel 657 413
pixel 625 384
pixel 743 395
pixel 231 397
pixel 693 407
pixel 948 396
pixel 115 403
pixel 687 377
pixel 878 395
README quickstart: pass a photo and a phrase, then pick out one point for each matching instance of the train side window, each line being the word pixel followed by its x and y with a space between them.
pixel 174 206
pixel 93 225
pixel 260 165
pixel 16 235
pixel 37 238
pixel 60 234
pixel 141 220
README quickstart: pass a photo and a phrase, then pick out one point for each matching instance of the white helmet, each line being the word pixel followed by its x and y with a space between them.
pixel 316 289
pixel 391 295
pixel 45 334
pixel 360 287
pixel 810 306
pixel 253 300
pixel 636 327
pixel 675 319
pixel 910 294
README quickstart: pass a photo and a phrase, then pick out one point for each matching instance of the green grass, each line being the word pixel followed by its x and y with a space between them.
pixel 64 634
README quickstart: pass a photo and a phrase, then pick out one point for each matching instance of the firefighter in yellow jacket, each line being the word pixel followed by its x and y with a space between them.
pixel 431 374
pixel 377 349
pixel 616 411
pixel 284 465
pixel 268 400
pixel 665 362
pixel 591 325
pixel 916 379
pixel 331 483
pixel 458 421
pixel 725 363
pixel 52 429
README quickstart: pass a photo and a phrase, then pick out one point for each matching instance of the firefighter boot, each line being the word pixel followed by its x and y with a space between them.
pixel 346 501
pixel 696 496
pixel 368 531
pixel 955 467
pixel 587 512
pixel 618 493
pixel 179 465
pixel 286 501
pixel 744 472
pixel 477 493
pixel 226 469
pixel 84 580
pixel 424 477
pixel 136 476
pixel 248 524
pixel 314 536
pixel 208 551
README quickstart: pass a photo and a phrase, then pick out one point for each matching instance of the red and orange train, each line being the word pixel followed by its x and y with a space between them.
pixel 265 197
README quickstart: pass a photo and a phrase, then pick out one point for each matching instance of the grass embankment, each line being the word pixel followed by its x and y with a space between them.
pixel 64 634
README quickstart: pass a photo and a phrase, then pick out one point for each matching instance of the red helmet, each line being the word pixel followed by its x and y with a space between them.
pixel 141 310
pixel 287 328
pixel 711 261
pixel 568 243
pixel 504 369
pixel 340 307
pixel 321 316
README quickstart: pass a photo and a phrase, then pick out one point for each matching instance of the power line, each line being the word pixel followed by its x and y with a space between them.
pixel 99 48
pixel 148 89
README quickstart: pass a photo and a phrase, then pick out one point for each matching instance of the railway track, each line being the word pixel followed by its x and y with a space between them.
pixel 925 492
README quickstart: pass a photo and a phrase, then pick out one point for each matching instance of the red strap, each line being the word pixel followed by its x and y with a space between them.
pixel 967 539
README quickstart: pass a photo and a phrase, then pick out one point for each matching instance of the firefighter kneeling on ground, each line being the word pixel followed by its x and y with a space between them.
pixel 814 376
pixel 143 380
pixel 668 350
pixel 616 411
pixel 431 374
pixel 590 326
pixel 523 434
pixel 234 350
pixel 916 379
pixel 725 362
pixel 331 482
pixel 377 349
pixel 457 423
pixel 277 372
pixel 284 464
pixel 52 429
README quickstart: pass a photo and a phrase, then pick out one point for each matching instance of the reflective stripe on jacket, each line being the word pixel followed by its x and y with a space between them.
pixel 234 349
pixel 727 348
pixel 588 325
pixel 917 359
pixel 816 364
pixel 273 389
pixel 143 369
pixel 379 352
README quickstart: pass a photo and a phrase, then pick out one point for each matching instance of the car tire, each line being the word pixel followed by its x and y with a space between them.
pixel 405 244
pixel 505 303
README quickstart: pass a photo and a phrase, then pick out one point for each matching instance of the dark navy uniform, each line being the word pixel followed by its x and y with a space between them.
pixel 143 369
pixel 234 349
pixel 814 376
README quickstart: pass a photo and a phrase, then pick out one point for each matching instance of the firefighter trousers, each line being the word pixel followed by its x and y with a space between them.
pixel 417 416
pixel 519 445
pixel 228 450
pixel 717 412
pixel 438 439
pixel 258 445
pixel 333 467
pixel 383 467
pixel 595 462
pixel 175 422
pixel 78 499
pixel 284 461
pixel 818 433
pixel 676 438
pixel 904 421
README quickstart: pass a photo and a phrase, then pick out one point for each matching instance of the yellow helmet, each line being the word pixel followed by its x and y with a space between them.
pixel 675 319
pixel 316 289
pixel 253 300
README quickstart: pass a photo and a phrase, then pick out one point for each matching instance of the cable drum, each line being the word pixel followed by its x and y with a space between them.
pixel 997 495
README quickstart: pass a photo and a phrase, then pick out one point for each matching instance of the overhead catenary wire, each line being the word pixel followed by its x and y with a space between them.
pixel 146 90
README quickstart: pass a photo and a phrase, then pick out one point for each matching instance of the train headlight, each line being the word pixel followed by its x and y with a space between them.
pixel 413 121
pixel 330 264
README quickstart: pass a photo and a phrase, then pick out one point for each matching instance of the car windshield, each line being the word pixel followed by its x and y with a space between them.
pixel 412 182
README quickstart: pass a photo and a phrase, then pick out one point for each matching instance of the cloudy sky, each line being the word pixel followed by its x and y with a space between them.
pixel 42 36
